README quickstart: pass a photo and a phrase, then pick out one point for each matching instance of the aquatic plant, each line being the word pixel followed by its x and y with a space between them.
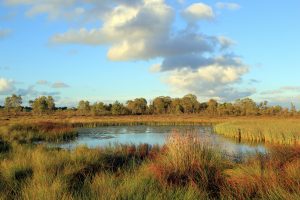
pixel 272 131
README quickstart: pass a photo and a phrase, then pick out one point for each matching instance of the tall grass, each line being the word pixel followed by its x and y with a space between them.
pixel 188 161
pixel 275 131
pixel 42 131
pixel 185 168
pixel 275 175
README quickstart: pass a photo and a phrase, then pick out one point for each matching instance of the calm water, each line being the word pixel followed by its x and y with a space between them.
pixel 111 135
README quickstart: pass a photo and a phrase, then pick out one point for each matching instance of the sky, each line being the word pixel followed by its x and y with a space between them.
pixel 107 50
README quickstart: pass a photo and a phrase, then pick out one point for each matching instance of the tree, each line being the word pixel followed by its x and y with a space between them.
pixel 42 104
pixel 118 109
pixel 293 109
pixel 212 106
pixel 13 103
pixel 137 106
pixel 263 108
pixel 226 109
pixel 246 107
pixel 176 107
pixel 99 108
pixel 190 104
pixel 275 110
pixel 161 105
pixel 50 103
pixel 84 107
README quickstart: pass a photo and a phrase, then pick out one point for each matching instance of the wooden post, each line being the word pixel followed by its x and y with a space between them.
pixel 240 135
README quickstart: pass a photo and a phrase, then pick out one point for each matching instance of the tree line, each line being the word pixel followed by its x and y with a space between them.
pixel 160 105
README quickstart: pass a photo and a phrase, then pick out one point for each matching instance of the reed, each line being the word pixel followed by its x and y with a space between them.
pixel 41 131
pixel 272 131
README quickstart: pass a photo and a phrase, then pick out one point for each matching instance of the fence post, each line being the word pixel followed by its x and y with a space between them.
pixel 240 135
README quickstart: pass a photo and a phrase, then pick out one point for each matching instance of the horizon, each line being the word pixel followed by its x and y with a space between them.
pixel 121 50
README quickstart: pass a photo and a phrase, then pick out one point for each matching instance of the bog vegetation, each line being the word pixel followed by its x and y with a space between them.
pixel 272 131
pixel 185 168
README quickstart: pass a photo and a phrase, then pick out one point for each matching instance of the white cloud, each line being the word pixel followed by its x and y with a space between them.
pixel 6 86
pixel 228 6
pixel 212 81
pixel 133 32
pixel 198 11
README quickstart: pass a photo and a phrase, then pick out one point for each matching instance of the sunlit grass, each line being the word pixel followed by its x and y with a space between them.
pixel 272 131
pixel 41 131
pixel 185 168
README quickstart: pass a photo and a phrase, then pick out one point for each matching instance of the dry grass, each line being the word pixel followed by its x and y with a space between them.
pixel 275 175
pixel 39 131
pixel 272 131
pixel 189 161
pixel 185 168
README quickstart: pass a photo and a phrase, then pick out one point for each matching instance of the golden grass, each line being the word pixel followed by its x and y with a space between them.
pixel 38 131
pixel 185 168
pixel 93 121
pixel 271 131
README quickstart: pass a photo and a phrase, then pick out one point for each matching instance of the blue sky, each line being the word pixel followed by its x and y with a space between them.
pixel 109 50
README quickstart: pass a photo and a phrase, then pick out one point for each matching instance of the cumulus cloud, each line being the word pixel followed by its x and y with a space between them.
pixel 210 81
pixel 133 32
pixel 228 5
pixel 6 86
pixel 4 33
pixel 198 11
pixel 191 61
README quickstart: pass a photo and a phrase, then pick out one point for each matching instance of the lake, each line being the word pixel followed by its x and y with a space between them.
pixel 112 135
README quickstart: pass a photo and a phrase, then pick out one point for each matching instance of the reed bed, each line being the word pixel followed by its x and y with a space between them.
pixel 90 121
pixel 41 131
pixel 271 131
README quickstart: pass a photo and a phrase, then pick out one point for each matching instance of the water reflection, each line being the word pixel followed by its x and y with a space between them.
pixel 110 135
